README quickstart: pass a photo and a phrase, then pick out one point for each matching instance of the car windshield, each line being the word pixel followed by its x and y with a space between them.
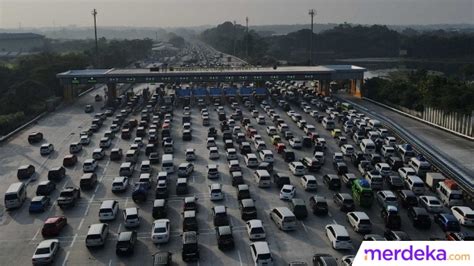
pixel 160 230
pixel 42 251
pixel 257 230
pixel 66 194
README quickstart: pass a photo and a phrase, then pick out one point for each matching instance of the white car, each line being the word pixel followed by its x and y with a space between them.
pixel 256 138
pixel 296 143
pixel 120 184
pixel 215 192
pixel 261 120
pixel 45 252
pixel 190 154
pixel 85 140
pixel 338 157
pixel 255 230
pixel 405 172
pixel 297 168
pixel 211 142
pixel 89 166
pixel 464 214
pixel 347 149
pixel 309 129
pixel 231 154
pixel 307 109
pixel 431 204
pixel 160 231
pixel 46 149
pixel 287 192
pixel 131 217
pixel 213 153
pixel 138 141
pixel 313 113
pixel 338 236
pixel 271 130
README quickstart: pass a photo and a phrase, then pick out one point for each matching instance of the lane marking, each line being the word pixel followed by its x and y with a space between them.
pixel 73 240
pixel 240 258
pixel 110 262
pixel 334 221
pixel 80 224
pixel 119 228
pixel 89 205
pixel 37 232
pixel 304 227
pixel 66 258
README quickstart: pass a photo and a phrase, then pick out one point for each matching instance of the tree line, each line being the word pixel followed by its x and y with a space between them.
pixel 27 82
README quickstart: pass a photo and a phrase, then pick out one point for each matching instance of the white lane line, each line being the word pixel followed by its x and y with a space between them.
pixel 304 227
pixel 66 258
pixel 119 228
pixel 240 258
pixel 37 232
pixel 73 240
pixel 80 224
pixel 89 205
pixel 126 202
pixel 110 262
pixel 329 214
pixel 334 221
pixel 97 187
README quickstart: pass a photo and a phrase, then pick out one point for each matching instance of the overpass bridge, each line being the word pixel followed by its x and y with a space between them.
pixel 71 79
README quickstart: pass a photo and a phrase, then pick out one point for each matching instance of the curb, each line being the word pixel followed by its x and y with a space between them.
pixel 419 119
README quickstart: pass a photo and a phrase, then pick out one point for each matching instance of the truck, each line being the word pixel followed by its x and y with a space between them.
pixel 433 178
pixel 68 197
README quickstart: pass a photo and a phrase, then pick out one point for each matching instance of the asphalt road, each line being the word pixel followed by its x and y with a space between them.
pixel 20 231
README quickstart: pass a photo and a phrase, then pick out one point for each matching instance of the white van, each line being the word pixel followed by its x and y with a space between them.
pixel 415 184
pixel 374 124
pixel 297 168
pixel 167 164
pixel 126 169
pixel 131 156
pixel 338 236
pixel 309 183
pixel 283 218
pixel 449 194
pixel 387 151
pixel 266 156
pixel 251 160
pixel 108 210
pixel 367 146
pixel 97 235
pixel 261 254
pixel 360 222
pixel 260 145
pixel 375 180
pixel 421 166
pixel 15 196
pixel 328 123
pixel 263 178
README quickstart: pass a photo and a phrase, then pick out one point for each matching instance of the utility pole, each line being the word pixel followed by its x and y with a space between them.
pixel 311 13
pixel 235 37
pixel 247 37
pixel 94 13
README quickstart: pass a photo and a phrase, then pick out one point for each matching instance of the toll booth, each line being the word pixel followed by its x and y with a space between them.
pixel 261 94
pixel 216 95
pixel 230 94
pixel 184 96
pixel 245 92
pixel 200 96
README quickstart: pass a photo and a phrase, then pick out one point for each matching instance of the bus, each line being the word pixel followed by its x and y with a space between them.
pixel 362 193
pixel 346 106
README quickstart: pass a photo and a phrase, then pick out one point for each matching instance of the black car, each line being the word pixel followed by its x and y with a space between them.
pixel 395 182
pixel 281 179
pixel 391 218
pixel 45 188
pixel 332 181
pixel 140 192
pixel 419 217
pixel 154 157
pixel 247 208
pixel 225 240
pixel 126 243
pixel 298 207
pixel 340 167
pixel 35 137
pixel 190 251
pixel 162 258
pixel 220 217
pixel 116 154
pixel 344 201
pixel 318 205
pixel 407 198
pixel 57 174
pixel 396 235
pixel 160 209
pixel 288 155
pixel 395 163
pixel 189 221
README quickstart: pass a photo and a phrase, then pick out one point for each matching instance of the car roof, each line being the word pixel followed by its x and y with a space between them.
pixel 46 243
pixel 125 236
pixel 224 230
pixel 161 222
pixel 131 211
pixel 219 209
pixel 255 223
pixel 261 246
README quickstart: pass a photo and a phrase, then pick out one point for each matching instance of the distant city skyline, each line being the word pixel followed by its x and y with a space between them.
pixel 184 13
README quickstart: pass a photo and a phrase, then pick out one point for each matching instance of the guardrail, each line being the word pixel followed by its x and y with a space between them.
pixel 419 119
pixel 444 166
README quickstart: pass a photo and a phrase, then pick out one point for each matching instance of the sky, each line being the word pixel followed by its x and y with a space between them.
pixel 179 13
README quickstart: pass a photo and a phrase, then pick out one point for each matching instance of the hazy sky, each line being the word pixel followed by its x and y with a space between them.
pixel 172 13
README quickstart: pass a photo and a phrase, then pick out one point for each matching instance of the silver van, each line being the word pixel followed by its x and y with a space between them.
pixel 97 235
pixel 167 164
pixel 15 196
pixel 263 178
pixel 283 218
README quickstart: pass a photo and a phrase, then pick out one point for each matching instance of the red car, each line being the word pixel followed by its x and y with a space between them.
pixel 53 226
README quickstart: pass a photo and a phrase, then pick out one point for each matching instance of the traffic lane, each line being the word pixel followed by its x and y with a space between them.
pixel 58 128
pixel 452 147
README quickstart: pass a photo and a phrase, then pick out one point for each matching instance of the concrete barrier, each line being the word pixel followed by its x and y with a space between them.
pixel 422 120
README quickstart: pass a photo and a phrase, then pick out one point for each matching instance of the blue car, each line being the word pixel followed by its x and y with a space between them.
pixel 447 222
pixel 39 203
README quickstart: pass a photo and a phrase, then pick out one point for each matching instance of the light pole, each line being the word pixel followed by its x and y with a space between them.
pixel 311 13
pixel 94 13
pixel 247 37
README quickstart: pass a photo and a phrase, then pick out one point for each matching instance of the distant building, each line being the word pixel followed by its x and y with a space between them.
pixel 21 42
